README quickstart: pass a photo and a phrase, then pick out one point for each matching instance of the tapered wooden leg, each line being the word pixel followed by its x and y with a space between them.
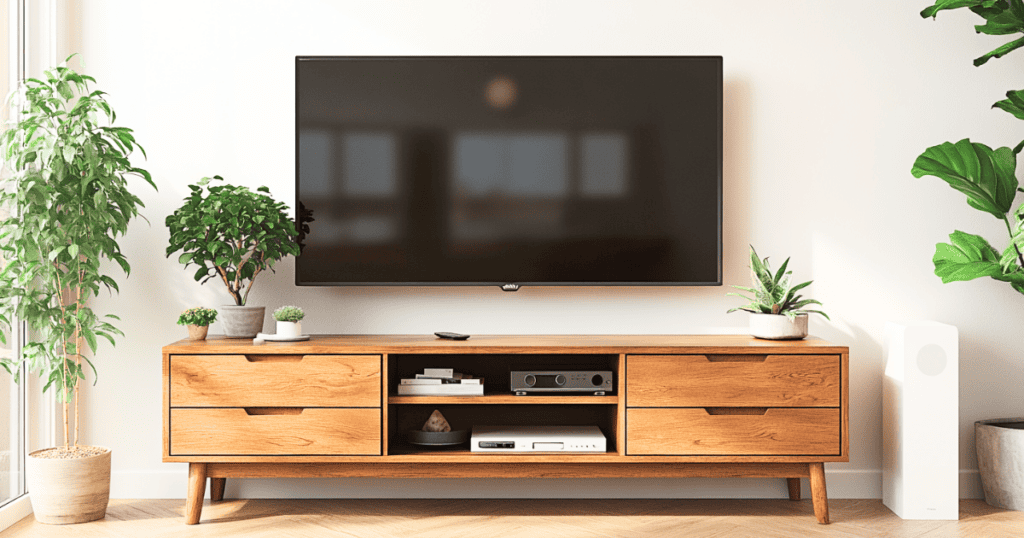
pixel 818 495
pixel 794 488
pixel 217 488
pixel 196 492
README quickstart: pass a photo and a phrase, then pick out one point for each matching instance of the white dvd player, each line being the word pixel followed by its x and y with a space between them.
pixel 504 439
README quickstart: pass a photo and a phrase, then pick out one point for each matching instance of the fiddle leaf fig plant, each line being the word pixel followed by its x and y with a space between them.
pixel 986 176
pixel 231 233
pixel 66 203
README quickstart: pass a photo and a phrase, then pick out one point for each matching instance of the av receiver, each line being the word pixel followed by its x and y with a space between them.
pixel 592 381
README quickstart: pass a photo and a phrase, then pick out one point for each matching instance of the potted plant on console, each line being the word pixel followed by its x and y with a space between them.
pixel 776 311
pixel 198 321
pixel 987 177
pixel 232 234
pixel 289 320
pixel 67 202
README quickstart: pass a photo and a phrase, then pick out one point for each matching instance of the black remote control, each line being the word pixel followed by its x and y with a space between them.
pixel 452 336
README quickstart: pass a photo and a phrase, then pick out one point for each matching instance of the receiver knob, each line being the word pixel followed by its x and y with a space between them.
pixel 597 380
pixel 530 380
pixel 559 380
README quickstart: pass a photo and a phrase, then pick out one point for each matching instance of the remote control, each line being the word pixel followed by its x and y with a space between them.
pixel 452 336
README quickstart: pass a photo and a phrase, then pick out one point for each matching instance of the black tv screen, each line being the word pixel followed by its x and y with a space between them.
pixel 498 170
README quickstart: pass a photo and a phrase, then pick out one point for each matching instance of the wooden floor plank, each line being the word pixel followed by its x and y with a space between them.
pixel 472 518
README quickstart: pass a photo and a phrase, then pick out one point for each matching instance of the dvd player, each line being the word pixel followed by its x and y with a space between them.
pixel 504 439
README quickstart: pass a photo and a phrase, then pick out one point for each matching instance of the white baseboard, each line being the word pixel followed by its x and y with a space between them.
pixel 14 512
pixel 842 484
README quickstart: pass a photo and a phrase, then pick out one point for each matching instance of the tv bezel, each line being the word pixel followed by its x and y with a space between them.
pixel 516 285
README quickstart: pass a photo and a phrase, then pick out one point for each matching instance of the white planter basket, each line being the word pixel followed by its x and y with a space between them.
pixel 778 327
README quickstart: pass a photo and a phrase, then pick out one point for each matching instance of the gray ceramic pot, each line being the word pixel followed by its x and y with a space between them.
pixel 778 326
pixel 242 321
pixel 1000 445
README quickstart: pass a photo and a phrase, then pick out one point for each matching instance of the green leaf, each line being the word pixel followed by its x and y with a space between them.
pixel 73 250
pixel 1018 147
pixel 967 258
pixel 1014 103
pixel 185 258
pixel 941 5
pixel 985 176
pixel 1000 52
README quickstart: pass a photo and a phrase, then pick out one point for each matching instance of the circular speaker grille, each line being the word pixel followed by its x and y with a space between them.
pixel 931 359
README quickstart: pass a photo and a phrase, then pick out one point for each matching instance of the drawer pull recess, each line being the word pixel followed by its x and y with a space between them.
pixel 736 410
pixel 273 411
pixel 736 358
pixel 273 358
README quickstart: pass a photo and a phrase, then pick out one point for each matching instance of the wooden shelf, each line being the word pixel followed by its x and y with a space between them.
pixel 504 399
pixel 462 455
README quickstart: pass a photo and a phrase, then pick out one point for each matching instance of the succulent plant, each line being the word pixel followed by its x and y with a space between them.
pixel 772 293
pixel 289 313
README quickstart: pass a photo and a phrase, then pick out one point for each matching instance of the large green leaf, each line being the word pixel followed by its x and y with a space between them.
pixel 1000 52
pixel 1014 103
pixel 941 5
pixel 985 176
pixel 967 258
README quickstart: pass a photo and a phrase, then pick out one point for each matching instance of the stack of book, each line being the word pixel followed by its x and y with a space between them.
pixel 441 382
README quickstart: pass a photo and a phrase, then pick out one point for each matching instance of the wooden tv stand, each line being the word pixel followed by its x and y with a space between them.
pixel 706 405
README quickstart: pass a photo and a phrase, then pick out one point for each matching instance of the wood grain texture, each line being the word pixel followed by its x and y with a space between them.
pixel 794 488
pixel 238 381
pixel 166 409
pixel 620 411
pixel 507 470
pixel 484 344
pixel 846 406
pixel 695 432
pixel 696 381
pixel 818 495
pixel 465 456
pixel 384 395
pixel 196 492
pixel 231 431
pixel 217 486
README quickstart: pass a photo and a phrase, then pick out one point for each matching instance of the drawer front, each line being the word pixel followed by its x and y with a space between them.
pixel 275 432
pixel 275 380
pixel 698 432
pixel 723 381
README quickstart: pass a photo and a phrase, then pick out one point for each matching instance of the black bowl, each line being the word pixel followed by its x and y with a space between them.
pixel 452 438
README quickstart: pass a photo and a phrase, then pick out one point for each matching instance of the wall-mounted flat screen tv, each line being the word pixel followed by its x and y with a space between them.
pixel 509 170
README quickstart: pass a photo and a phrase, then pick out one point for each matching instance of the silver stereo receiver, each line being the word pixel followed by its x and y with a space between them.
pixel 593 381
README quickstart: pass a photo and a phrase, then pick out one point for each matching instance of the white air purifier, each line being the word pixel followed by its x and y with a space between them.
pixel 920 421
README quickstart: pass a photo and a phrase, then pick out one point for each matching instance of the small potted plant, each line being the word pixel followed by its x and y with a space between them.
pixel 232 234
pixel 777 312
pixel 288 321
pixel 198 321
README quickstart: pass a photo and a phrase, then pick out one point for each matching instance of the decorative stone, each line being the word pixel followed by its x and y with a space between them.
pixel 436 423
pixel 1000 446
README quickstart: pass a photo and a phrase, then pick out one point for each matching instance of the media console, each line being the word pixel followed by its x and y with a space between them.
pixel 704 405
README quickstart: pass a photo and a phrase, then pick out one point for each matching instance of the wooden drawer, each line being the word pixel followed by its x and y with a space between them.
pixel 275 380
pixel 699 432
pixel 733 380
pixel 275 432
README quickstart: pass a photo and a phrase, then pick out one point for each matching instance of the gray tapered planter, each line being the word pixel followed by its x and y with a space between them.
pixel 1000 445
pixel 242 321
pixel 778 326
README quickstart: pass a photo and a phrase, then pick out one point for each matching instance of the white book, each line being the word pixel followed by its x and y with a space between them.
pixel 450 377
pixel 439 372
pixel 421 381
pixel 441 390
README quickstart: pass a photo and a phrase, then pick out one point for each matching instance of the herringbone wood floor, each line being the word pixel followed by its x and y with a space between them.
pixel 533 518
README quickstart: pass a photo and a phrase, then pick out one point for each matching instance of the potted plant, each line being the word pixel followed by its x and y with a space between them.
pixel 232 234
pixel 288 321
pixel 198 321
pixel 988 179
pixel 69 201
pixel 776 311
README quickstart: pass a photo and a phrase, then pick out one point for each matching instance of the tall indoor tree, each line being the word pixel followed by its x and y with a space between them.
pixel 69 201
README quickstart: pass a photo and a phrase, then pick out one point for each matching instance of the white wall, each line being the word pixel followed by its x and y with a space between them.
pixel 827 105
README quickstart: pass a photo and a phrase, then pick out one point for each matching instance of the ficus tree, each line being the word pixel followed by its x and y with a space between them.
pixel 987 176
pixel 67 202
pixel 231 233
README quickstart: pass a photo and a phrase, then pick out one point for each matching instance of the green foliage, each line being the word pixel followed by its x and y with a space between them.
pixel 1002 17
pixel 772 292
pixel 986 176
pixel 231 233
pixel 289 313
pixel 68 201
pixel 197 316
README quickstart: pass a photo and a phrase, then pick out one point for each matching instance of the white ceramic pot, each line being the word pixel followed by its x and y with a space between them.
pixel 68 491
pixel 242 321
pixel 289 329
pixel 778 327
